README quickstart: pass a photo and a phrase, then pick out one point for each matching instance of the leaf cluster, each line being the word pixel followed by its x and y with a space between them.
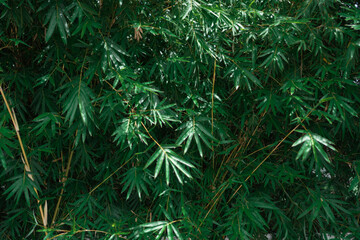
pixel 179 119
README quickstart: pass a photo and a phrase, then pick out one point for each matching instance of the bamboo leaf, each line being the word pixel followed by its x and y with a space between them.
pixel 51 27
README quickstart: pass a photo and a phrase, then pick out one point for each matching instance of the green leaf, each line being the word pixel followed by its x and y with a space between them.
pixel 3 2
pixel 176 231
pixel 3 161
pixel 52 25
pixel 354 184
pixel 63 27
pixel 328 211
pixel 153 158
pixel 252 77
pixel 159 163
pixel 305 138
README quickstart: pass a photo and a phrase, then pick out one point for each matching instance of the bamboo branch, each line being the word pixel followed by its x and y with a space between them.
pixel 254 170
pixel 272 151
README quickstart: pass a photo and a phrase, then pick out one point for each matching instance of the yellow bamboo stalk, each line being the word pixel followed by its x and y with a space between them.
pixel 24 156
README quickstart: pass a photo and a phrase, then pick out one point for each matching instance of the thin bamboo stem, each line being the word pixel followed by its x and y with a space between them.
pixel 64 179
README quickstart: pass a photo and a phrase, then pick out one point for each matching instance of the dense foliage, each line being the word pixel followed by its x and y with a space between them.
pixel 186 119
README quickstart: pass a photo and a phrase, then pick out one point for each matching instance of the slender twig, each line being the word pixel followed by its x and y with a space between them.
pixel 212 108
pixel 152 137
pixel 111 175
pixel 219 193
pixel 92 190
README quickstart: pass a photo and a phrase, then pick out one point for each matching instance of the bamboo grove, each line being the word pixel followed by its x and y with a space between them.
pixel 179 119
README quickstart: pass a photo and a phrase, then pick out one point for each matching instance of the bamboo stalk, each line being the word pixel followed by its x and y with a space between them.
pixel 24 157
